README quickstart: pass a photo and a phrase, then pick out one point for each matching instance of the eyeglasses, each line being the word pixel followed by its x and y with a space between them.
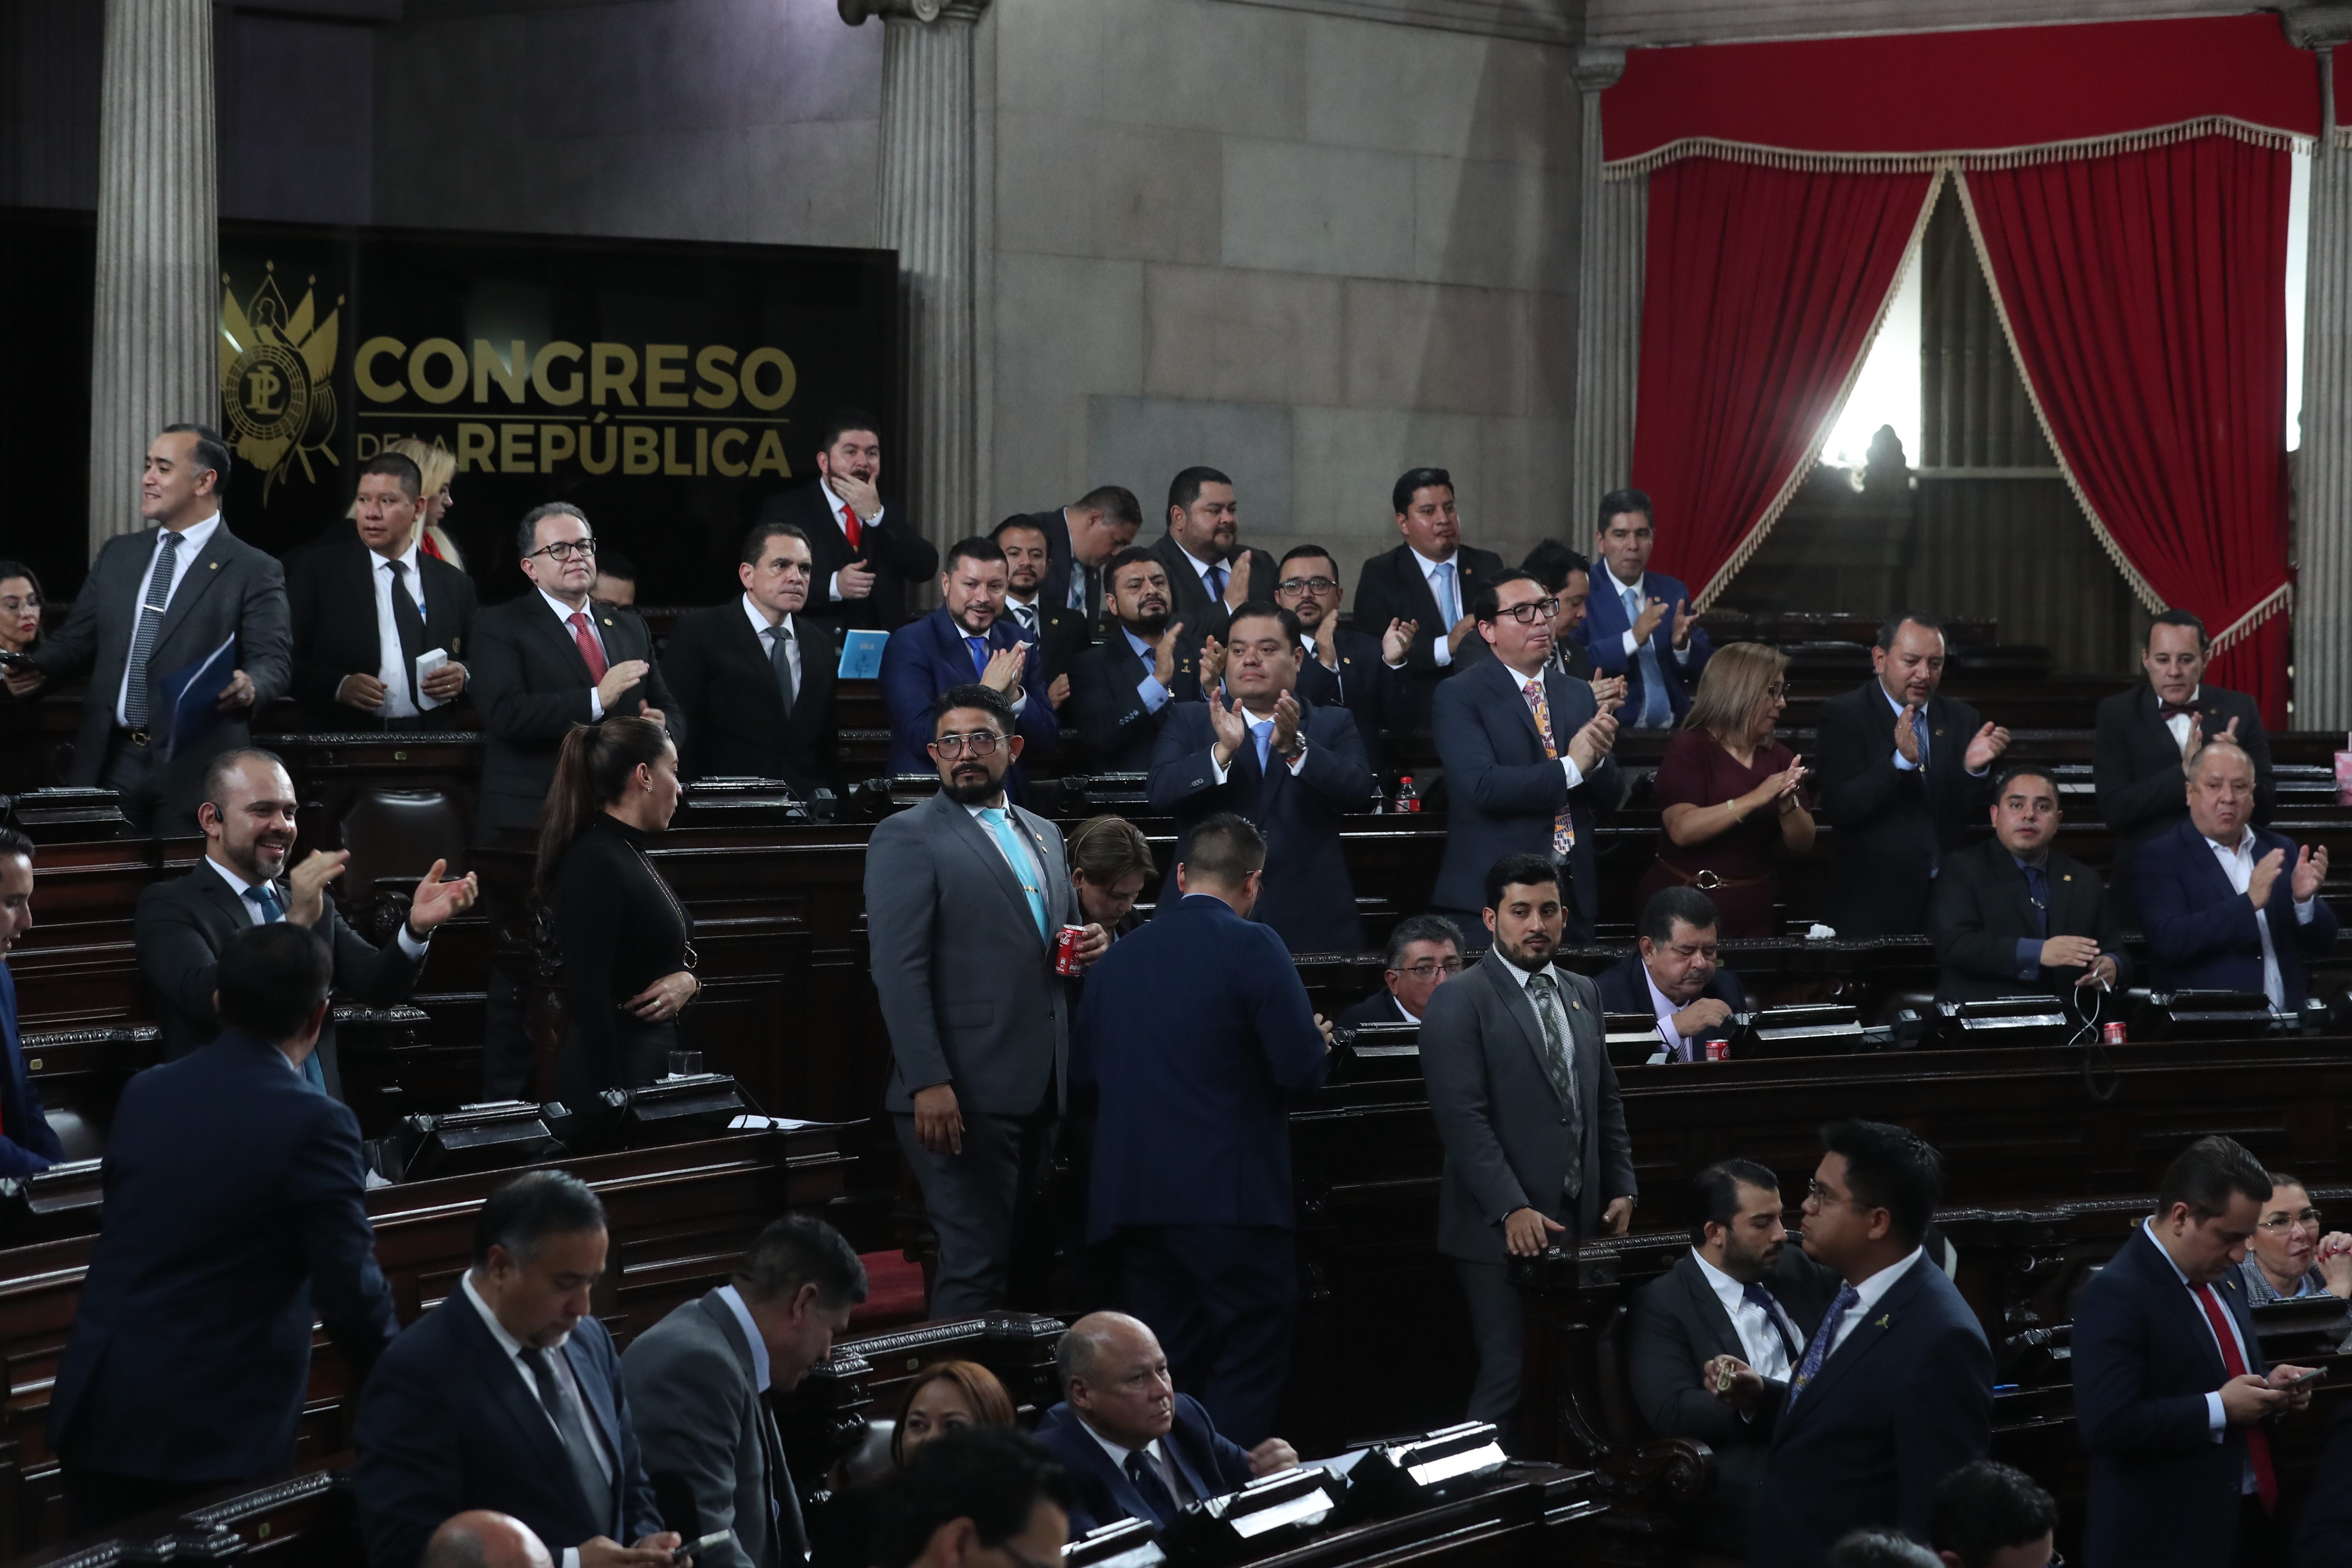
pixel 1429 966
pixel 1823 1196
pixel 1527 615
pixel 2280 1223
pixel 1294 585
pixel 568 550
pixel 13 604
pixel 1778 689
pixel 979 743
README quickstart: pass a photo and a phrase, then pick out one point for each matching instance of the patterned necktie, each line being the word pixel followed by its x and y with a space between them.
pixel 1158 1500
pixel 1756 1296
pixel 1656 710
pixel 1817 1352
pixel 997 820
pixel 1563 825
pixel 780 643
pixel 151 617
pixel 592 652
pixel 595 1487
pixel 1027 615
pixel 2258 1442
pixel 2037 888
pixel 408 624
pixel 978 647
pixel 1544 992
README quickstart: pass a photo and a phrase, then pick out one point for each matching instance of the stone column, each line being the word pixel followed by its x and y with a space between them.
pixel 1609 248
pixel 153 358
pixel 927 211
pixel 2323 592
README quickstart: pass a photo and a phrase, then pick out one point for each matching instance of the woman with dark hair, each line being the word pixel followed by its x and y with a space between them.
pixel 20 622
pixel 627 942
pixel 948 1397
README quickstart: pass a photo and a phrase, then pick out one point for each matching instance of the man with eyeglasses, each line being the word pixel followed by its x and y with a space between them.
pixel 2012 916
pixel 1343 667
pixel 965 895
pixel 1674 975
pixel 2172 1394
pixel 1423 953
pixel 1527 754
pixel 1429 582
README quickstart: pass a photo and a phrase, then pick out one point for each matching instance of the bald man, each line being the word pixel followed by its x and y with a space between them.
pixel 481 1539
pixel 1134 1446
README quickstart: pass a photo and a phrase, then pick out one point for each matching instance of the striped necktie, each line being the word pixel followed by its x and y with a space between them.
pixel 151 617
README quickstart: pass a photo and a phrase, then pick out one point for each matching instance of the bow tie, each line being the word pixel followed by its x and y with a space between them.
pixel 2170 711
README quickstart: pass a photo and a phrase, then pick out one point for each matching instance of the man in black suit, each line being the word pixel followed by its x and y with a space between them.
pixel 865 555
pixel 1081 540
pixel 1672 976
pixel 1293 770
pixel 2147 740
pixel 552 658
pixel 755 677
pixel 1741 1291
pixel 1122 689
pixel 1423 952
pixel 1209 574
pixel 1343 667
pixel 1894 1390
pixel 366 609
pixel 1568 576
pixel 185 926
pixel 2171 1391
pixel 1060 633
pixel 509 1397
pixel 1904 772
pixel 156 602
pixel 234 1220
pixel 1431 581
pixel 2014 917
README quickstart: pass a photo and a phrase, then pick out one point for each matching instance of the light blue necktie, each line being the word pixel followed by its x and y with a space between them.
pixel 264 896
pixel 1449 602
pixel 978 647
pixel 1657 711
pixel 1264 733
pixel 995 818
pixel 1817 1352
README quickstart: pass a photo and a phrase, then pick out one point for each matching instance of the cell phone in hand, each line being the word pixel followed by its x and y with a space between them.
pixel 701 1544
pixel 2308 1378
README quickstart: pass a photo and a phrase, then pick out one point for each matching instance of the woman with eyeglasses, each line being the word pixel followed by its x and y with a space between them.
pixel 1728 792
pixel 2289 1256
pixel 20 625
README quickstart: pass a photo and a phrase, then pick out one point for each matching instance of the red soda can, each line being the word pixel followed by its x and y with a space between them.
pixel 2114 1033
pixel 1066 949
pixel 1718 1050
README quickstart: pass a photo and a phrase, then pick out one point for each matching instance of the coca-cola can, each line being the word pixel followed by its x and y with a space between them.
pixel 1718 1050
pixel 2114 1033
pixel 1066 949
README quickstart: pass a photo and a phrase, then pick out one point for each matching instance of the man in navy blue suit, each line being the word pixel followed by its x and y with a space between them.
pixel 2227 906
pixel 2170 1389
pixel 1293 769
pixel 27 1146
pixel 234 1221
pixel 968 638
pixel 508 1397
pixel 1527 756
pixel 1893 1391
pixel 1134 1446
pixel 1674 975
pixel 1638 622
pixel 1192 1166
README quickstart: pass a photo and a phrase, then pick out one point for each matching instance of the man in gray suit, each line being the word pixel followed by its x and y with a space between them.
pixel 696 1381
pixel 158 602
pixel 1527 1106
pixel 965 895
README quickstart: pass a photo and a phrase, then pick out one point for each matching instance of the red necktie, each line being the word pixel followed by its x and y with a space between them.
pixel 2258 1442
pixel 849 524
pixel 591 649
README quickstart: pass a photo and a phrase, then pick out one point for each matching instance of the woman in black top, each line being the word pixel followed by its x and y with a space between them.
pixel 627 942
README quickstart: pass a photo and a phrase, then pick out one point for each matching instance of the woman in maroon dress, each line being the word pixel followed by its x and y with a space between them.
pixel 1728 791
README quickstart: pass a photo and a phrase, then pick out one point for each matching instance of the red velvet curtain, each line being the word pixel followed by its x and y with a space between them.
pixel 1762 287
pixel 2145 293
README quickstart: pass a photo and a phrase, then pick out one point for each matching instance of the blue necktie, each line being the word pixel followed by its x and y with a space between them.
pixel 264 896
pixel 1817 1352
pixel 1759 1297
pixel 1216 584
pixel 1263 732
pixel 995 819
pixel 2037 888
pixel 1656 709
pixel 1157 1499
pixel 1449 603
pixel 978 647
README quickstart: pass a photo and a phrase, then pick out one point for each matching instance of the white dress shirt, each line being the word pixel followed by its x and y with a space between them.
pixel 1444 648
pixel 1678 1046
pixel 514 1348
pixel 840 507
pixel 238 885
pixel 2178 723
pixel 2238 865
pixel 2216 1420
pixel 193 540
pixel 1766 1350
pixel 1868 1296
pixel 564 613
pixel 1640 585
pixel 391 661
pixel 760 629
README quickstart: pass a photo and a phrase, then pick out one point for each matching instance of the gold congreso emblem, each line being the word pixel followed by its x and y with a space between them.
pixel 277 391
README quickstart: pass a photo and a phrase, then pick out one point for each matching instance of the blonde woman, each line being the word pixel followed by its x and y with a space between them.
pixel 1728 792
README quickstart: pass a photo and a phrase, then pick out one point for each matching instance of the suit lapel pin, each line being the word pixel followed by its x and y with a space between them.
pixel 1577 1005
pixel 608 620
pixel 1884 1319
pixel 2065 876
pixel 216 565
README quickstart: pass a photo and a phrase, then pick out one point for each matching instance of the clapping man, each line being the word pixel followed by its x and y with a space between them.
pixel 968 638
pixel 1122 687
pixel 1343 668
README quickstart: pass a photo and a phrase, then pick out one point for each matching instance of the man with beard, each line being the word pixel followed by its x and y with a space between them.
pixel 1122 686
pixel 1289 768
pixel 965 895
pixel 248 815
pixel 968 638
pixel 865 553
pixel 1209 574
pixel 1060 633
pixel 1527 1106
pixel 1343 668
pixel 1741 1291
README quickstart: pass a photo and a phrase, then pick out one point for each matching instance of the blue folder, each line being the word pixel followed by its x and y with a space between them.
pixel 192 696
pixel 861 655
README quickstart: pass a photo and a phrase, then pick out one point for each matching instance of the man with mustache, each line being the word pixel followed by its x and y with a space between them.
pixel 965 895
pixel 968 638
pixel 248 815
pixel 1120 689
pixel 2014 916
pixel 1060 632
pixel 1209 574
